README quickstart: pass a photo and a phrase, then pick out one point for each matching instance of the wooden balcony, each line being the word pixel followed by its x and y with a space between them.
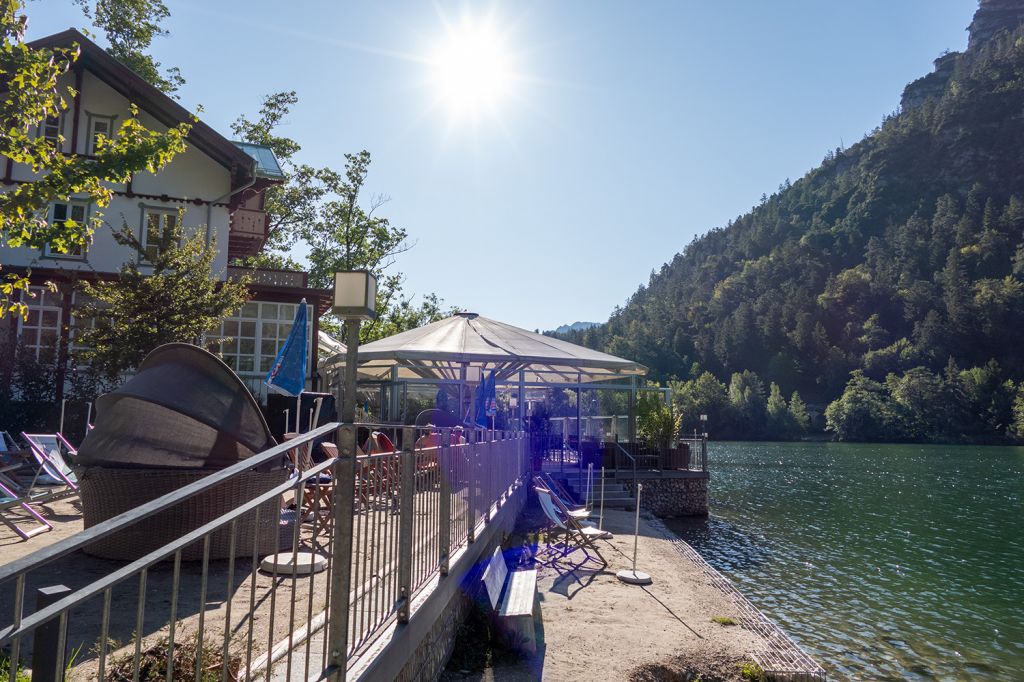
pixel 247 232
pixel 291 279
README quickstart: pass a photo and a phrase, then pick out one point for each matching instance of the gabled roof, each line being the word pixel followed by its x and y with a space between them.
pixel 98 61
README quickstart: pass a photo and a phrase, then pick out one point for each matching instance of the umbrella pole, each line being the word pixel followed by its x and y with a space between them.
pixel 298 413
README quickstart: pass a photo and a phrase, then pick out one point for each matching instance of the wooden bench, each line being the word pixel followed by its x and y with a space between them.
pixel 513 598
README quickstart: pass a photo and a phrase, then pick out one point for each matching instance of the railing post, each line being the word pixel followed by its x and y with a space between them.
pixel 341 561
pixel 470 449
pixel 49 639
pixel 486 474
pixel 444 507
pixel 408 489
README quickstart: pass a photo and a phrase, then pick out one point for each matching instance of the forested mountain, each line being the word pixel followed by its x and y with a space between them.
pixel 903 251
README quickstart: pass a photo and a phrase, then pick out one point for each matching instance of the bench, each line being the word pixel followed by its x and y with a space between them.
pixel 513 598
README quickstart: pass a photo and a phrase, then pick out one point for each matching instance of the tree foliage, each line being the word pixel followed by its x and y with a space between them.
pixel 34 93
pixel 130 27
pixel 327 212
pixel 173 296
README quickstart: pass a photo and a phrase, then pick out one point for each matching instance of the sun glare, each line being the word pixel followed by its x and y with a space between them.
pixel 471 69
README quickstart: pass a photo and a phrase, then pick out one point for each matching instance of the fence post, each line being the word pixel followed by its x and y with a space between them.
pixel 444 508
pixel 49 639
pixel 486 472
pixel 341 561
pixel 408 489
pixel 471 482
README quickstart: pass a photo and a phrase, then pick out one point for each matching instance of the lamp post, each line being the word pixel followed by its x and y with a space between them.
pixel 355 300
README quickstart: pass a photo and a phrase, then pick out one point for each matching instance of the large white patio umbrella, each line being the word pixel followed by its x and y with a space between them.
pixel 439 351
pixel 469 344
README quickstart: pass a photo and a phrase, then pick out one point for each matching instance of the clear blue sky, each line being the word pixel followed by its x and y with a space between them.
pixel 623 129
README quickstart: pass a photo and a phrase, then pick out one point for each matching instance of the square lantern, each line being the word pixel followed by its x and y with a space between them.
pixel 355 295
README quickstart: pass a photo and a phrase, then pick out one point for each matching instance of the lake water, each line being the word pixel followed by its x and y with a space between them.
pixel 882 561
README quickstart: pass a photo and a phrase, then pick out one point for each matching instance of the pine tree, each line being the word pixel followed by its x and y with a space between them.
pixel 798 412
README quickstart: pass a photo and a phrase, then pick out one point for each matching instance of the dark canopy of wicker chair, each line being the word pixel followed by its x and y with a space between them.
pixel 183 409
pixel 183 416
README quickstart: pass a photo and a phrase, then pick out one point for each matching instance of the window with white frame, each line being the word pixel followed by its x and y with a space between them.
pixel 158 226
pixel 250 340
pixel 61 213
pixel 99 125
pixel 39 331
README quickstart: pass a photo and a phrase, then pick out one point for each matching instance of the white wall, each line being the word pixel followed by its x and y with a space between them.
pixel 191 175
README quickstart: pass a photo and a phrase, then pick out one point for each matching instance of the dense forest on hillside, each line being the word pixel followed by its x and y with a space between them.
pixel 889 281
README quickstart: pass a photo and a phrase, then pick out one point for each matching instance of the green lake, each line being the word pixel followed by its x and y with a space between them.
pixel 896 562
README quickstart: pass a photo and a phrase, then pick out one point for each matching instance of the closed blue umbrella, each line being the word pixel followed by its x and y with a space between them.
pixel 288 373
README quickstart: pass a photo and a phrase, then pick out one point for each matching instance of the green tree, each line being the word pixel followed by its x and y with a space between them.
pixel 326 211
pixel 34 94
pixel 862 412
pixel 746 395
pixel 294 203
pixel 130 27
pixel 798 413
pixel 178 298
pixel 780 424
pixel 655 421
pixel 1018 412
pixel 703 395
pixel 920 403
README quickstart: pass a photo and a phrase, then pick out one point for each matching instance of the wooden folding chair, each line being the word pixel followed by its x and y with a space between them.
pixel 576 535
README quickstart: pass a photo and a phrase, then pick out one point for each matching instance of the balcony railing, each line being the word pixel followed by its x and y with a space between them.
pixel 250 223
pixel 273 278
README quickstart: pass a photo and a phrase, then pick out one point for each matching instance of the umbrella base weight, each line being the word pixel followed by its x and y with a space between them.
pixel 634 577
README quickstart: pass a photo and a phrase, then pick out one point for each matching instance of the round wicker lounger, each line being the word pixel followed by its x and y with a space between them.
pixel 183 416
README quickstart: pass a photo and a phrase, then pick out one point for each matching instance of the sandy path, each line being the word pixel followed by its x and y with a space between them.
pixel 595 627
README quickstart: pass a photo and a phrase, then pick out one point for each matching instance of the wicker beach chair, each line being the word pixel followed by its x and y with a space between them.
pixel 182 417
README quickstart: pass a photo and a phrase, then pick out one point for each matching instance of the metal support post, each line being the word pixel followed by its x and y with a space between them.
pixel 50 639
pixel 405 530
pixel 444 507
pixel 471 483
pixel 344 496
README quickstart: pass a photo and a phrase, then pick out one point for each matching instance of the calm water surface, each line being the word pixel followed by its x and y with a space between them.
pixel 883 561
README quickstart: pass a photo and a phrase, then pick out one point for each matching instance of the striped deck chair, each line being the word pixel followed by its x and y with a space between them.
pixel 12 497
pixel 50 449
pixel 577 536
pixel 578 511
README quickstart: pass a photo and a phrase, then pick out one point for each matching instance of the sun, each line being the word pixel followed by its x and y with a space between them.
pixel 471 69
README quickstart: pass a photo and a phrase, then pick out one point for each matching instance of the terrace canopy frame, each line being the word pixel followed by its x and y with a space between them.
pixel 461 350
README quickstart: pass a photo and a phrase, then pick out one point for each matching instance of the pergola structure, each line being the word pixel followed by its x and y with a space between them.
pixel 459 351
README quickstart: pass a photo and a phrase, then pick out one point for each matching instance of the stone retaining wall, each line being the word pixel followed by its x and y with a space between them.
pixel 428 660
pixel 672 496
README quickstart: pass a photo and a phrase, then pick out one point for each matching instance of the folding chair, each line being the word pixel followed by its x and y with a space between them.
pixel 578 511
pixel 49 449
pixel 10 498
pixel 577 536
pixel 317 492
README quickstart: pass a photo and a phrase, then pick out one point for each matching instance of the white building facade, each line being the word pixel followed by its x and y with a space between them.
pixel 215 187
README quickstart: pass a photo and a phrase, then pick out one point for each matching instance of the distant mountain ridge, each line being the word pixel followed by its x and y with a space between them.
pixel 904 250
pixel 575 326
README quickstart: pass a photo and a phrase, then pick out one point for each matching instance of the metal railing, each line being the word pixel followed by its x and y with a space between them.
pixel 390 527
